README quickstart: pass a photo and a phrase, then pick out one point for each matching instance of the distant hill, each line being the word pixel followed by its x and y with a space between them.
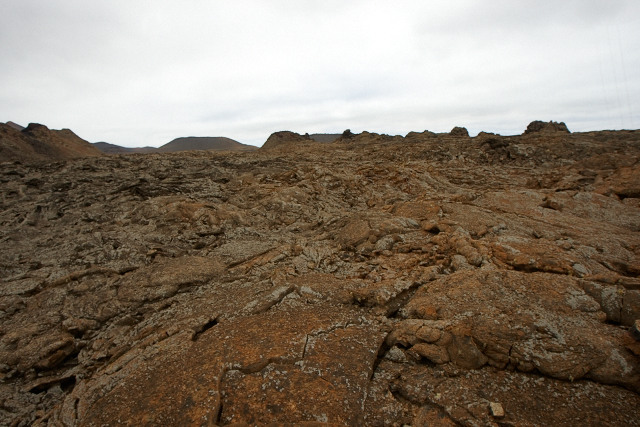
pixel 108 148
pixel 218 143
pixel 37 143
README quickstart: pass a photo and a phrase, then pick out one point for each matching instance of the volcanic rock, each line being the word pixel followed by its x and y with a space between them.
pixel 538 126
pixel 367 138
pixel 426 280
pixel 416 136
pixel 496 409
pixel 286 139
pixel 459 132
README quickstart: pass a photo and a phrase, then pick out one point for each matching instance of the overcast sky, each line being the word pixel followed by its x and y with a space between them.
pixel 138 73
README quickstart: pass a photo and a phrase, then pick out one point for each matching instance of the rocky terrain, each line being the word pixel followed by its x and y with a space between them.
pixel 431 279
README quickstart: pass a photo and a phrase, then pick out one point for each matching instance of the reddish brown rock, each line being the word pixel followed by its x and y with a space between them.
pixel 550 127
pixel 376 280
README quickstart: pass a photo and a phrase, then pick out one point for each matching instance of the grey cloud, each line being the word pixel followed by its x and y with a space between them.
pixel 137 75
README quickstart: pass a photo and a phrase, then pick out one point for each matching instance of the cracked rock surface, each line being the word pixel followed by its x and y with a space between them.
pixel 435 279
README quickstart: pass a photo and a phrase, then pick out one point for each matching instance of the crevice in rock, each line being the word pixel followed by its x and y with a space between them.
pixel 218 413
pixel 389 307
pixel 218 406
pixel 203 328
pixel 71 359
pixel 306 342
pixel 333 328
pixel 400 397
pixel 396 303
pixel 276 297
pixel 382 351
pixel 620 268
pixel 76 402
pixel 533 269
pixel 66 383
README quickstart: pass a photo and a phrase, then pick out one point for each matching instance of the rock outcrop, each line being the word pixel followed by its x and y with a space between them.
pixel 286 140
pixel 538 126
pixel 426 280
pixel 37 143
pixel 459 132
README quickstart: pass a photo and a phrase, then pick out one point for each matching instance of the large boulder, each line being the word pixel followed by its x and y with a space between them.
pixel 538 126
pixel 459 131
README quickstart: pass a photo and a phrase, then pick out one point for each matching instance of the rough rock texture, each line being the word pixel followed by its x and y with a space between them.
pixel 37 143
pixel 426 280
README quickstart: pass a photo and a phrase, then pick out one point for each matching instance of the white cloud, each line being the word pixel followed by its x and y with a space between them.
pixel 135 74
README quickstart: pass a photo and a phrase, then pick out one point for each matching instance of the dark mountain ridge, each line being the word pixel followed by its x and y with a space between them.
pixel 37 143
pixel 218 143
pixel 108 148
pixel 213 143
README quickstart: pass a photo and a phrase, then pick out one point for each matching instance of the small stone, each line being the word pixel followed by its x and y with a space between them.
pixel 396 355
pixel 385 244
pixel 580 270
pixel 459 263
pixel 496 409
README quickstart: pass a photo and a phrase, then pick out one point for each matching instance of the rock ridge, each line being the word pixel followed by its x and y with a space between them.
pixel 37 143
